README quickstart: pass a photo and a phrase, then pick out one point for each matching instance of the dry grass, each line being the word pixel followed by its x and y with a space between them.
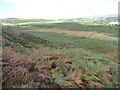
pixel 88 34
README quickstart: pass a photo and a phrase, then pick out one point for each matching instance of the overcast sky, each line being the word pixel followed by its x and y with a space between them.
pixel 56 9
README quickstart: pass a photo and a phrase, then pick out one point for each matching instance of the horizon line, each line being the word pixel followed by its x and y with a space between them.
pixel 107 15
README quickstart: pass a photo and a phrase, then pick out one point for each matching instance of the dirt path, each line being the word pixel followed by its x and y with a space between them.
pixel 89 34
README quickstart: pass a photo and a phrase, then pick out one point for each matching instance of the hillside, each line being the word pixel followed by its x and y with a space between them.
pixel 59 54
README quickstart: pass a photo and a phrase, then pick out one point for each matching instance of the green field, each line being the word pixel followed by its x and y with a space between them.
pixel 79 27
pixel 71 61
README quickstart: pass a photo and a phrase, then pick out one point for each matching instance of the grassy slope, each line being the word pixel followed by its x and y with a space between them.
pixel 61 40
pixel 86 55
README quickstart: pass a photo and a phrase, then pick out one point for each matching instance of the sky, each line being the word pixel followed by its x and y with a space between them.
pixel 56 9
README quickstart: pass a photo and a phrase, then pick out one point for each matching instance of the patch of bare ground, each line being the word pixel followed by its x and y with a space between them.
pixel 88 34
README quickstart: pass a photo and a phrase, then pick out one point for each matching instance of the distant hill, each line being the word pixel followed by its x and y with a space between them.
pixel 20 20
pixel 96 19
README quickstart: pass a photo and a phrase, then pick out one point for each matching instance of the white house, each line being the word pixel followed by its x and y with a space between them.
pixel 113 23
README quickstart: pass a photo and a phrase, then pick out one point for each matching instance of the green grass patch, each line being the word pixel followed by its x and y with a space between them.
pixel 62 41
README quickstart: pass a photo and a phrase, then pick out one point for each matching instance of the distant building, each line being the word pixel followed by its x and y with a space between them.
pixel 113 23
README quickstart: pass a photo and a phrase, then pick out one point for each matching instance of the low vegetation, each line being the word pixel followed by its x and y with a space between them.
pixel 55 60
